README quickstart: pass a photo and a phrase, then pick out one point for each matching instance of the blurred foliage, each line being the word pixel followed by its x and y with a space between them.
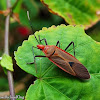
pixel 40 17
pixel 94 32
pixel 86 12
pixel 3 84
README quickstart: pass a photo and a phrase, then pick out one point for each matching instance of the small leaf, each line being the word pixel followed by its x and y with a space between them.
pixel 6 62
pixel 85 12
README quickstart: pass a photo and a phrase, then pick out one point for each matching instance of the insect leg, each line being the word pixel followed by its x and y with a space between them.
pixel 58 43
pixel 34 61
pixel 73 47
pixel 43 39
pixel 35 57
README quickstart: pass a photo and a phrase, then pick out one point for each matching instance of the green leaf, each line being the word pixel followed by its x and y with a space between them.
pixel 6 62
pixel 41 90
pixel 51 79
pixel 74 12
pixel 64 89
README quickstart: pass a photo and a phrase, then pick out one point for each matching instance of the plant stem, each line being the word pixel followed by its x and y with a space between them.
pixel 6 51
pixel 6 46
pixel 11 84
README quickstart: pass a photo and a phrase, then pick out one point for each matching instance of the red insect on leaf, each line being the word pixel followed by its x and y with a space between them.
pixel 61 58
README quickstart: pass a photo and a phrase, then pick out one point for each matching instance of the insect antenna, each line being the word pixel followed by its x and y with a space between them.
pixel 31 26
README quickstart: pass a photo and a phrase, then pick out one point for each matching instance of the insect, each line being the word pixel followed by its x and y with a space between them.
pixel 62 59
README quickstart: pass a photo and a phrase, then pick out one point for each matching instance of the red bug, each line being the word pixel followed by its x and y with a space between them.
pixel 62 59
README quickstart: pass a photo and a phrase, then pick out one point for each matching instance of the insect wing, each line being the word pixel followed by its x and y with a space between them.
pixel 69 64
pixel 61 63
pixel 80 71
